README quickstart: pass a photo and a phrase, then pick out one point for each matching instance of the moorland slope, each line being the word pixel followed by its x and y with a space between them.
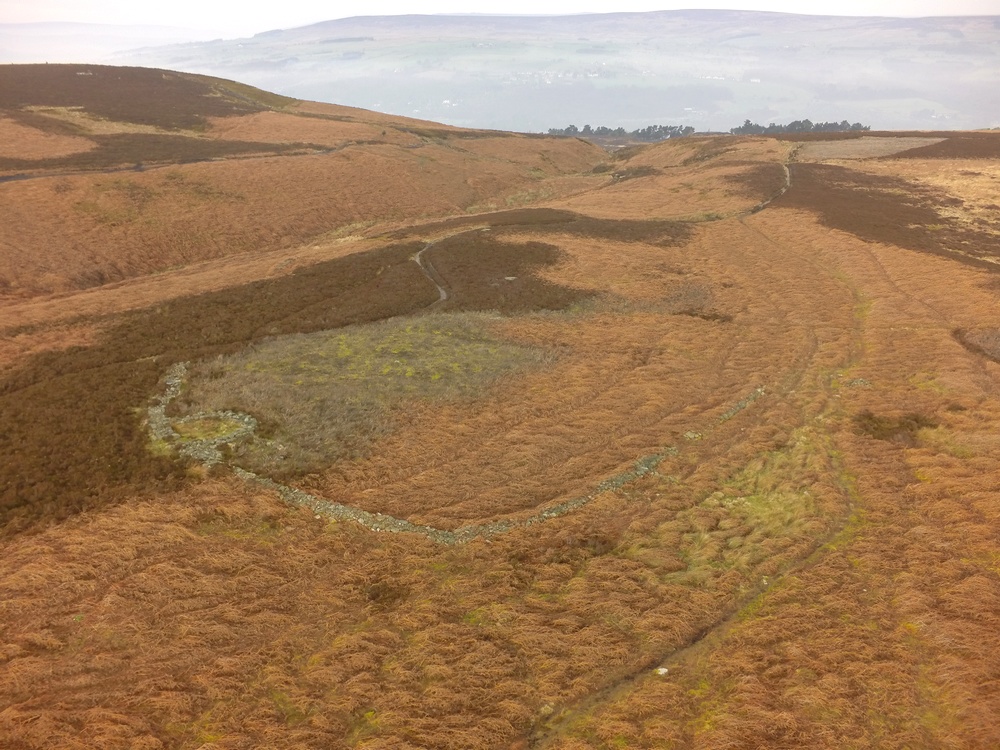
pixel 376 433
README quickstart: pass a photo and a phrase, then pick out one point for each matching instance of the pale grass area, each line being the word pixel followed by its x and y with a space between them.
pixel 94 125
pixel 19 141
pixel 866 147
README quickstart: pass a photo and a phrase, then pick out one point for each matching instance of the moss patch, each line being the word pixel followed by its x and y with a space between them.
pixel 327 396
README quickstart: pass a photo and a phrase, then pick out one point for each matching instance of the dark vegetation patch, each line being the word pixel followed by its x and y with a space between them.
pixel 648 134
pixel 145 96
pixel 70 431
pixel 558 221
pixel 759 181
pixel 445 134
pixel 901 429
pixel 711 316
pixel 798 126
pixel 695 301
pixel 46 123
pixel 484 273
pixel 889 210
pixel 985 341
pixel 958 146
pixel 146 148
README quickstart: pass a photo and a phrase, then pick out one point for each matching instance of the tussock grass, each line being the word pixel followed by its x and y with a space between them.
pixel 759 181
pixel 328 396
pixel 775 510
pixel 121 201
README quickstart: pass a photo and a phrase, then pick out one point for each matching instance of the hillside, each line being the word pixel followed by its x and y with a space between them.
pixel 93 192
pixel 321 428
pixel 709 69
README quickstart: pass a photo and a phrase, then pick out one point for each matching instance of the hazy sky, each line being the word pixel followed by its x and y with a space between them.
pixel 248 17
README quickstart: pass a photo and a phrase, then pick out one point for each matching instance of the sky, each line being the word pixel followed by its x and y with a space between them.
pixel 232 19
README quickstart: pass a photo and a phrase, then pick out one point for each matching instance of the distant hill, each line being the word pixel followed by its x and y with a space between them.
pixel 709 69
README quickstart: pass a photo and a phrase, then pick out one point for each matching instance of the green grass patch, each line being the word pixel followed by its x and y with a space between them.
pixel 206 428
pixel 762 515
pixel 327 396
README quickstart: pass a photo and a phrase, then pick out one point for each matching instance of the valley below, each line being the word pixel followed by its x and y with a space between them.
pixel 324 428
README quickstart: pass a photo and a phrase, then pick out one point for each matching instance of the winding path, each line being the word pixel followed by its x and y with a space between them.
pixel 431 273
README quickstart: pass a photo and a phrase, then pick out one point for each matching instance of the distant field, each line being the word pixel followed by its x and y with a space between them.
pixel 464 440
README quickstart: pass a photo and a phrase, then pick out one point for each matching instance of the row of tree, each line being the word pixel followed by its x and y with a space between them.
pixel 654 133
pixel 650 133
pixel 798 126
